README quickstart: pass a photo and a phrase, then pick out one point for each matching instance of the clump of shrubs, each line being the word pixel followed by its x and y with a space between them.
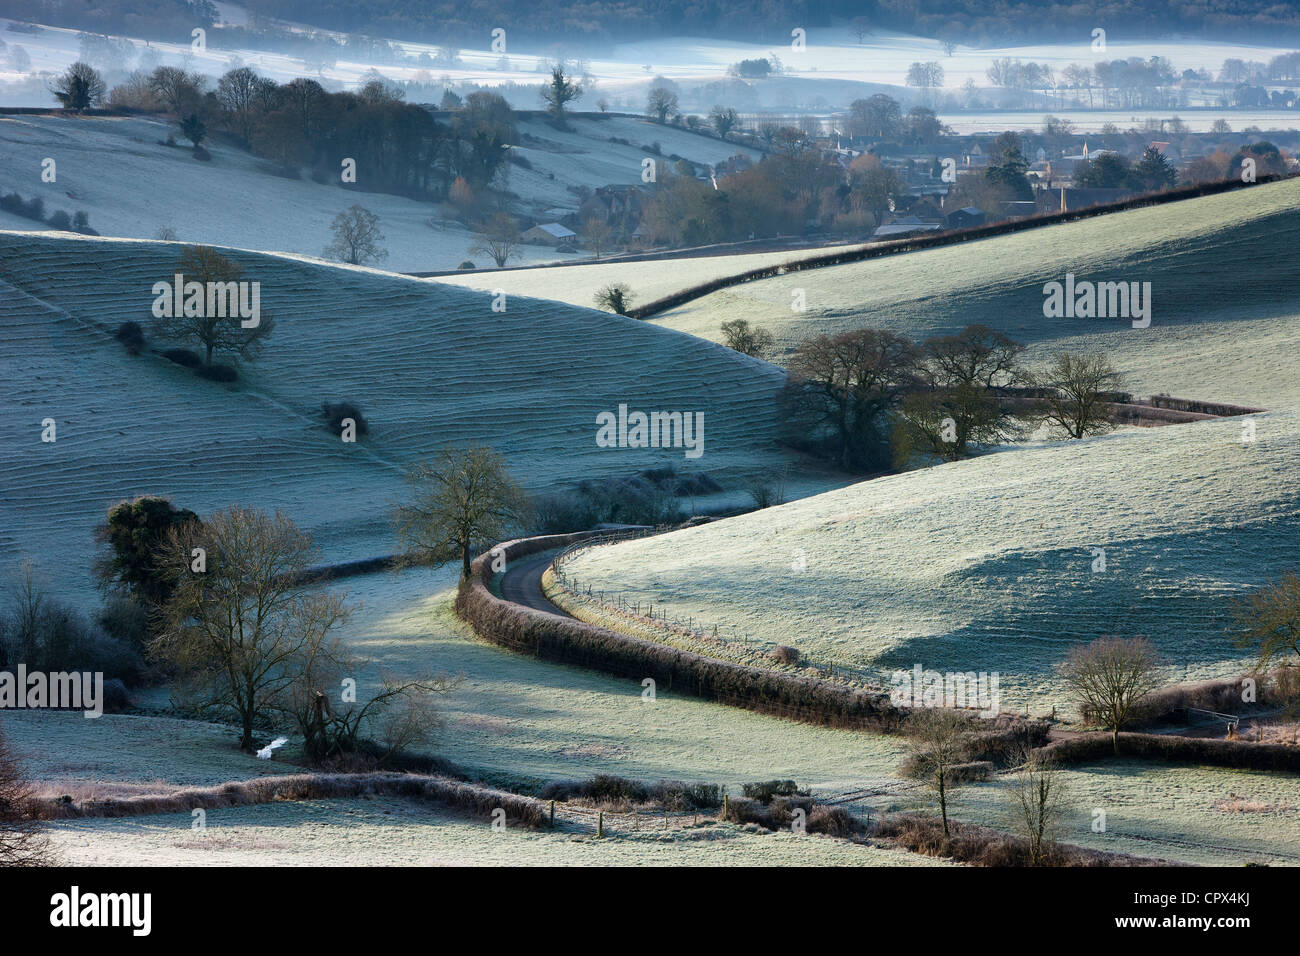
pixel 610 790
pixel 33 208
pixel 48 635
pixel 218 373
pixel 467 264
pixel 131 335
pixel 183 357
pixel 336 412
pixel 784 654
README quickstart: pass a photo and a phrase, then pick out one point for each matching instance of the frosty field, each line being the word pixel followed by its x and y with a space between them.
pixel 986 564
pixel 428 363
pixel 1220 258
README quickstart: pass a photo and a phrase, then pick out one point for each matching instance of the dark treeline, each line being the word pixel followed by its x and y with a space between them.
pixel 975 22
pixel 397 147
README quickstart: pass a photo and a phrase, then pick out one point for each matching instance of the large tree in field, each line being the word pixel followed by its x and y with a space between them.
pixel 241 615
pixel 464 497
pixel 559 92
pixel 207 326
pixel 1109 676
pixel 357 237
pixel 661 103
pixel 1077 385
pixel 79 87
pixel 845 384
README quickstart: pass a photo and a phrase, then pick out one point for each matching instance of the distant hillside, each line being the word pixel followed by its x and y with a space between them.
pixel 1213 259
pixel 428 364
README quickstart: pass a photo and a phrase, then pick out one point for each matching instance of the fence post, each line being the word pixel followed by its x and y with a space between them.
pixel 600 824
pixel 725 806
pixel 552 813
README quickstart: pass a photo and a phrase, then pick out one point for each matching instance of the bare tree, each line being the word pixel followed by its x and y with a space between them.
pixel 23 840
pixel 499 239
pixel 724 119
pixel 844 384
pixel 938 741
pixel 597 232
pixel 399 715
pixel 1077 384
pixel 241 614
pixel 1109 676
pixel 357 237
pixel 960 405
pixel 661 103
pixel 1268 620
pixel 1037 801
pixel 465 496
pixel 738 334
pixel 180 91
pixel 214 325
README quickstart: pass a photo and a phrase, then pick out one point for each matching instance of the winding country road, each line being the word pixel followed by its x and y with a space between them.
pixel 522 583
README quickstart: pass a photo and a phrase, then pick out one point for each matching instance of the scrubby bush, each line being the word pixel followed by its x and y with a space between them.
pixel 183 357
pixel 336 412
pixel 635 501
pixel 467 264
pixel 131 335
pixel 764 791
pixel 784 654
pixel 60 220
pixel 218 373
pixel 125 619
pixel 47 635
pixel 81 224
pixel 621 791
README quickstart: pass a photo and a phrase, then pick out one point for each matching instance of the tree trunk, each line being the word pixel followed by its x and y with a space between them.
pixel 1114 736
pixel 246 741
pixel 464 559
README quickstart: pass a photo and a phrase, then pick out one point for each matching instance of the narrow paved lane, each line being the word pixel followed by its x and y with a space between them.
pixel 522 583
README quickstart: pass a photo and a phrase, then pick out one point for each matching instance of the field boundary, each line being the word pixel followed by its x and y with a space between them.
pixel 1087 747
pixel 936 240
pixel 566 640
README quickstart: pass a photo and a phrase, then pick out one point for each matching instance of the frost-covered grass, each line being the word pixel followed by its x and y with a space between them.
pixel 1173 812
pixel 987 564
pixel 647 281
pixel 1218 258
pixel 428 364
pixel 394 832
pixel 118 171
pixel 521 717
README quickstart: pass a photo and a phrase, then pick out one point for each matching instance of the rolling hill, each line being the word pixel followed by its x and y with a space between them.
pixel 428 364
pixel 986 564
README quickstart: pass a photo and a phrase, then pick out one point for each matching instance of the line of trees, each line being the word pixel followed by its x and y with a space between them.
pixel 870 399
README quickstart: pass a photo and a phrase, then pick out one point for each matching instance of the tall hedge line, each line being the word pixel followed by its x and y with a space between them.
pixel 1218 753
pixel 566 640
